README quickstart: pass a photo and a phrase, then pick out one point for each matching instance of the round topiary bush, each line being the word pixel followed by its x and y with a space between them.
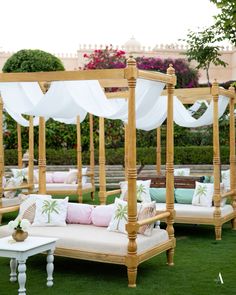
pixel 29 60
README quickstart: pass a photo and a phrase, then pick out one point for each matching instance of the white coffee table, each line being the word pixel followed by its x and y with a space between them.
pixel 20 251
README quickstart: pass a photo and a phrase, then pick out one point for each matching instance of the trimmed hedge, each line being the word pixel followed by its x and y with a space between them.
pixel 145 156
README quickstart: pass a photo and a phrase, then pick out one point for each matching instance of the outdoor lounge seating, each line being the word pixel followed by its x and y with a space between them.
pixel 129 249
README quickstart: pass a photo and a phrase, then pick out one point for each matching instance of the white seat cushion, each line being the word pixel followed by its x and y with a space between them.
pixel 63 186
pixel 187 210
pixel 94 239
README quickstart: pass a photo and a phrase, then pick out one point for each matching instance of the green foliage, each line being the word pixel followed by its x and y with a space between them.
pixel 202 49
pixel 28 60
pixel 226 20
pixel 145 156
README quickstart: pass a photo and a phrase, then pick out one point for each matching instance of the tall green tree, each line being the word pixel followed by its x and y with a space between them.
pixel 225 21
pixel 202 49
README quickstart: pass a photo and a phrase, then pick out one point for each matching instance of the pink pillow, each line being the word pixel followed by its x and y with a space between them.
pixel 79 213
pixel 59 177
pixel 102 214
pixel 49 178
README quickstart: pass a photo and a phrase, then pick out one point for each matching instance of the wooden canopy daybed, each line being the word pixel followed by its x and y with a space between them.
pixel 12 204
pixel 97 244
pixel 215 215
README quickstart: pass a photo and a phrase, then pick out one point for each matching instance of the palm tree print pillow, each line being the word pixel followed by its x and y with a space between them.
pixel 203 194
pixel 120 217
pixel 225 176
pixel 51 212
pixel 142 190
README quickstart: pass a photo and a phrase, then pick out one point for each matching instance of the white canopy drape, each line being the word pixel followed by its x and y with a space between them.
pixel 65 100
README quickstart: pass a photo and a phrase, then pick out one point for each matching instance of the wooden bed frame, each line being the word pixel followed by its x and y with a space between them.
pixel 189 96
pixel 120 78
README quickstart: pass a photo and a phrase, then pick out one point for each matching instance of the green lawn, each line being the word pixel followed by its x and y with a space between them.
pixel 198 261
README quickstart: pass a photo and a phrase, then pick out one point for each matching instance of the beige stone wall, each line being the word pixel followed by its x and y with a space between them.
pixel 75 61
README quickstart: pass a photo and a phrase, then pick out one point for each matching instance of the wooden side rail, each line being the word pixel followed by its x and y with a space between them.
pixel 227 194
pixel 153 219
pixel 25 186
pixel 179 181
pixel 113 192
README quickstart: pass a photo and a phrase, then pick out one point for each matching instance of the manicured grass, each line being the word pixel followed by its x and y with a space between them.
pixel 198 261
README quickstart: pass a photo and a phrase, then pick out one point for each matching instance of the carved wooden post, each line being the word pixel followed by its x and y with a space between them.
pixel 126 151
pixel 31 155
pixel 1 154
pixel 102 161
pixel 131 76
pixel 91 149
pixel 216 161
pixel 42 157
pixel 19 146
pixel 79 162
pixel 170 164
pixel 158 154
pixel 232 154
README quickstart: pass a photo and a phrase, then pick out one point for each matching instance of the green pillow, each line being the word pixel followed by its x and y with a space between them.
pixel 208 179
pixel 158 194
pixel 184 195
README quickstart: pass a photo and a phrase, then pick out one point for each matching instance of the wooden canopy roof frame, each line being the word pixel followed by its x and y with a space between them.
pixel 114 78
pixel 29 185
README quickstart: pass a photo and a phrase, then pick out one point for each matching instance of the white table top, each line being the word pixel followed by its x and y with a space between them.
pixel 8 243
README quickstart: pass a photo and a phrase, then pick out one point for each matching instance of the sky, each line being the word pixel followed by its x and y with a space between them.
pixel 60 26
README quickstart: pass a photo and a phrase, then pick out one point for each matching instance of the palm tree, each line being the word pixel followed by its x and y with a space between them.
pixel 121 213
pixel 140 189
pixel 50 207
pixel 201 191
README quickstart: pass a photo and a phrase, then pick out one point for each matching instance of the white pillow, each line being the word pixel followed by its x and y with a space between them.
pixel 20 173
pixel 28 206
pixel 182 172
pixel 143 194
pixel 73 176
pixel 203 194
pixel 11 183
pixel 50 212
pixel 119 217
pixel 225 175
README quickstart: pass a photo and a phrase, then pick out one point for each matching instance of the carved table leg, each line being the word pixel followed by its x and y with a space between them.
pixel 13 266
pixel 50 267
pixel 21 277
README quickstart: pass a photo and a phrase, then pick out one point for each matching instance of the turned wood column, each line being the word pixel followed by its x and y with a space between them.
pixel 79 161
pixel 19 146
pixel 31 155
pixel 216 160
pixel 170 157
pixel 91 150
pixel 131 76
pixel 102 162
pixel 42 157
pixel 158 152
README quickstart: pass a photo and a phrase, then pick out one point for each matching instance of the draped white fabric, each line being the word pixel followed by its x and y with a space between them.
pixel 184 119
pixel 65 100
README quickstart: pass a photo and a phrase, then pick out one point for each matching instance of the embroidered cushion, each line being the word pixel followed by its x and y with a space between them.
pixel 51 212
pixel 203 194
pixel 28 206
pixel 142 190
pixel 182 172
pixel 225 175
pixel 147 210
pixel 119 217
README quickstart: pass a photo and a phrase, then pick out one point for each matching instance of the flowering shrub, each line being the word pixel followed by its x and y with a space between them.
pixel 107 58
pixel 19 224
pixel 187 77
